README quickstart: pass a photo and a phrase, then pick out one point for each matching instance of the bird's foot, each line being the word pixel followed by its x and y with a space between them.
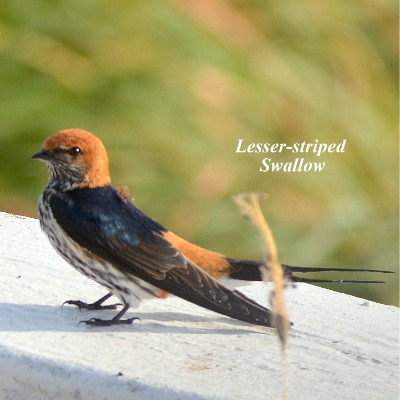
pixel 109 322
pixel 92 306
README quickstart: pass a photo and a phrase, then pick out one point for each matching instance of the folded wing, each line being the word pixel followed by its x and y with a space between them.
pixel 114 229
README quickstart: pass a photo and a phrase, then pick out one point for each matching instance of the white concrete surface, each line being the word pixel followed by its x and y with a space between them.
pixel 340 347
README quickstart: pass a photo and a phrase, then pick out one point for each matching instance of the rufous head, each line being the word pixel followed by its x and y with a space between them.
pixel 75 158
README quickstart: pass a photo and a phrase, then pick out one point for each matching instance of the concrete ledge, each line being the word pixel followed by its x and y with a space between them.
pixel 341 347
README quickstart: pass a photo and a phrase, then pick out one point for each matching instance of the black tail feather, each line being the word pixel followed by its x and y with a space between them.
pixel 249 270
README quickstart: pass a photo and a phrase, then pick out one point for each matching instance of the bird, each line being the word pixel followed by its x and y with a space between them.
pixel 97 229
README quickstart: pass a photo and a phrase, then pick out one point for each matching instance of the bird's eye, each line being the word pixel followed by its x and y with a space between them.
pixel 75 151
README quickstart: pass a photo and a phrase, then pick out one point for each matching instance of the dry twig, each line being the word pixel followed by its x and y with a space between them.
pixel 250 207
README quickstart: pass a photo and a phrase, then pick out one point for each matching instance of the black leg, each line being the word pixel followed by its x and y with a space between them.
pixel 94 306
pixel 115 321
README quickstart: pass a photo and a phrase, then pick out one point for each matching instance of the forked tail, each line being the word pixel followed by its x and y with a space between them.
pixel 248 270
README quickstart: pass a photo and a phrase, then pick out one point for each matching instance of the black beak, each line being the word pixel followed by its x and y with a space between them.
pixel 42 155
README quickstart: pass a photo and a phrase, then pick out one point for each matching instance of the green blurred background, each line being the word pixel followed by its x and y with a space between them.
pixel 171 86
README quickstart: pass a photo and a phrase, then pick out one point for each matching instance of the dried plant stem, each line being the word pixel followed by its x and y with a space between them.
pixel 250 207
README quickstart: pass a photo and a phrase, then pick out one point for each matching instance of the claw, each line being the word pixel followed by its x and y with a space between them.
pixel 97 305
pixel 92 306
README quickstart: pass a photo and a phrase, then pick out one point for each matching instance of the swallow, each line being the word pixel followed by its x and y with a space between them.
pixel 102 234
